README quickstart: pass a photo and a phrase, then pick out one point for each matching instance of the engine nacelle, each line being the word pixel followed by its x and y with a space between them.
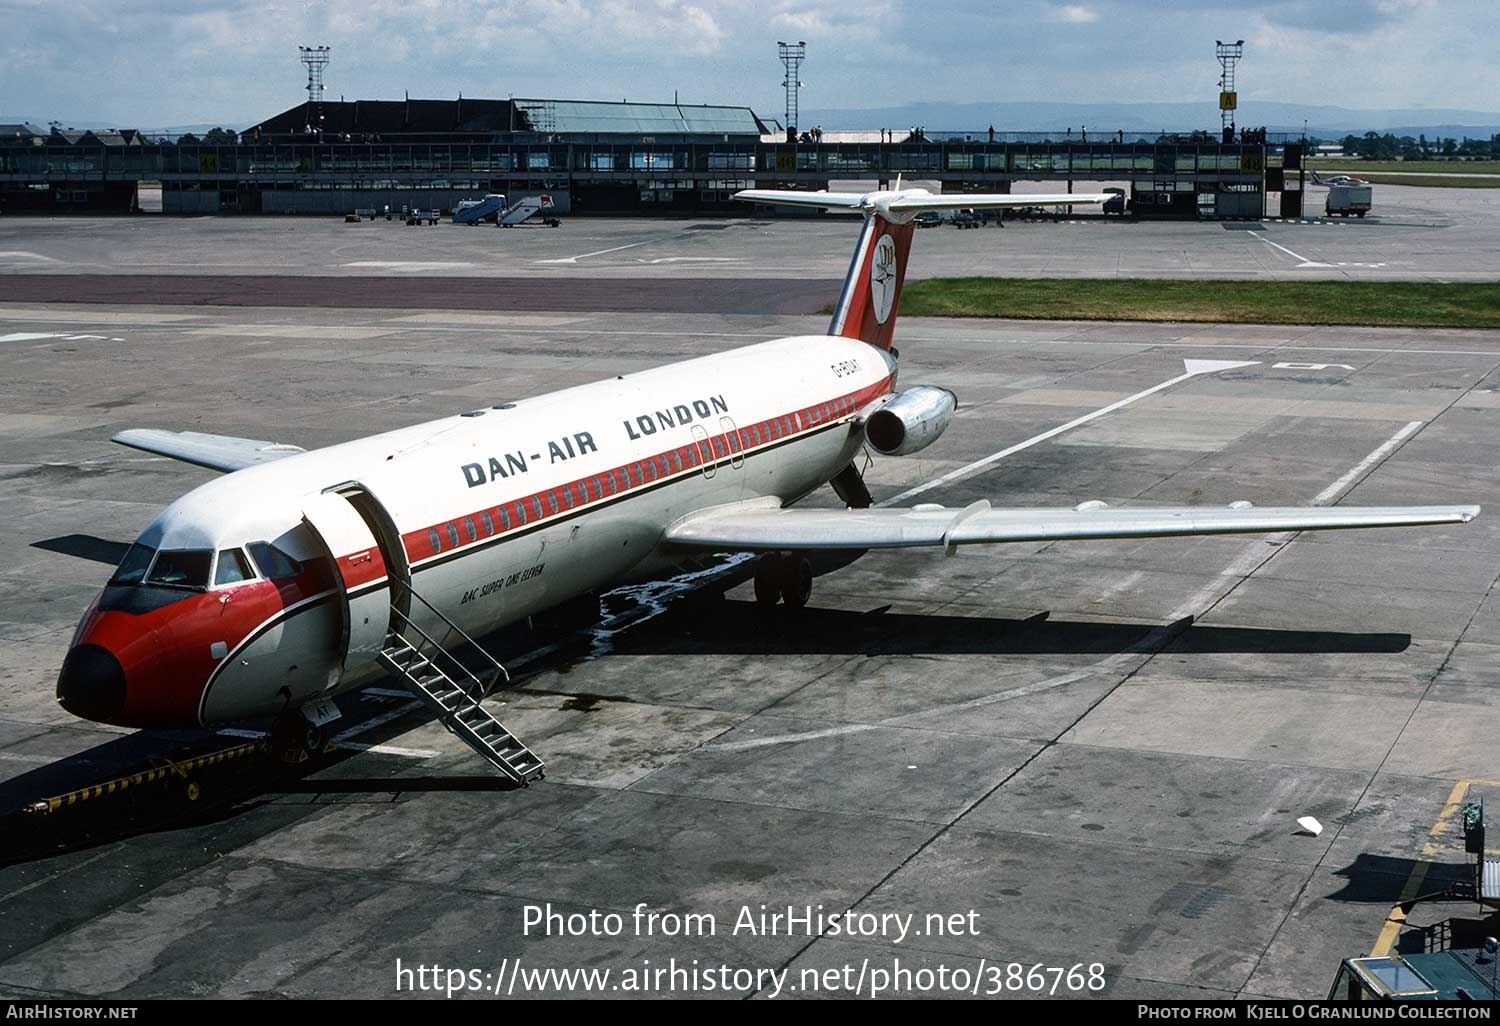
pixel 911 421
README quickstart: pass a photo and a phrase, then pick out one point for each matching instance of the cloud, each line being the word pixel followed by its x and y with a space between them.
pixel 1075 14
pixel 161 62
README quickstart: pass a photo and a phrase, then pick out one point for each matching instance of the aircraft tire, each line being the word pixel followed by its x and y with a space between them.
pixel 768 580
pixel 314 737
pixel 796 581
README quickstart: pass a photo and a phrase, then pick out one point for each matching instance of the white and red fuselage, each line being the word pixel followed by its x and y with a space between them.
pixel 492 515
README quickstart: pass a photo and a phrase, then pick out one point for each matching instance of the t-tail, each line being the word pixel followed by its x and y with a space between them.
pixel 871 296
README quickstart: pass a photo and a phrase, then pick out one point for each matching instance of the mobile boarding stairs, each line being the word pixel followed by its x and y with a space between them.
pixel 456 693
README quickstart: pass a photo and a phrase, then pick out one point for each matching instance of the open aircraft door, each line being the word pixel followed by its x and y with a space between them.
pixel 360 576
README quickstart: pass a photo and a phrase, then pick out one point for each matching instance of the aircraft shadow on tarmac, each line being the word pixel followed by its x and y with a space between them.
pixel 85 546
pixel 737 627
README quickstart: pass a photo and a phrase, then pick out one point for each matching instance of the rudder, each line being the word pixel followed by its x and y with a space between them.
pixel 871 296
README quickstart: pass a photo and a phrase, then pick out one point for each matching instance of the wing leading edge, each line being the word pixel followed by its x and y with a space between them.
pixel 761 528
pixel 224 453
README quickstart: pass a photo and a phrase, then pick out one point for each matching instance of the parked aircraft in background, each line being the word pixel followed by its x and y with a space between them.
pixel 1337 180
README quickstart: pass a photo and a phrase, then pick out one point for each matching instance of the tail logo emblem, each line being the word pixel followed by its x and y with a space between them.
pixel 883 277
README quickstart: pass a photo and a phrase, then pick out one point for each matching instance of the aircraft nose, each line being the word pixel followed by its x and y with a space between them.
pixel 92 683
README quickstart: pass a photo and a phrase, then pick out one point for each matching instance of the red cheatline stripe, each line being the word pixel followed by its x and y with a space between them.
pixel 515 514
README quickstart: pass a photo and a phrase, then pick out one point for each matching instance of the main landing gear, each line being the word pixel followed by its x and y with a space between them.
pixel 295 738
pixel 785 576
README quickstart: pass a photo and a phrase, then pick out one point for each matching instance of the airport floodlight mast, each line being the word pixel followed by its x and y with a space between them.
pixel 316 58
pixel 1229 55
pixel 792 55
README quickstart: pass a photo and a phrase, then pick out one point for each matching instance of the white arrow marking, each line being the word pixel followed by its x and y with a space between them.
pixel 1192 368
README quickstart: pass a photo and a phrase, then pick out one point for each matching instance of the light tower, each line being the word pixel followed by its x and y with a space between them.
pixel 1229 55
pixel 316 58
pixel 792 55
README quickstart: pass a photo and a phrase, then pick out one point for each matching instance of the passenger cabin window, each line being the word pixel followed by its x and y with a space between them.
pixel 181 568
pixel 273 562
pixel 233 567
pixel 434 540
pixel 489 525
pixel 133 567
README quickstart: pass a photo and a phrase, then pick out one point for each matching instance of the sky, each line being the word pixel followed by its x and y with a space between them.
pixel 158 63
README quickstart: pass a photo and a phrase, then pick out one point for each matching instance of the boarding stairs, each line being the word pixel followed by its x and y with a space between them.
pixel 475 211
pixel 455 692
pixel 524 209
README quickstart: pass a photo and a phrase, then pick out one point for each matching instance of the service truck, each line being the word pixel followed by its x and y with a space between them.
pixel 1344 200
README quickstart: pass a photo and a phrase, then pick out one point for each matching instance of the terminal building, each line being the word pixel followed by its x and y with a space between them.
pixel 600 157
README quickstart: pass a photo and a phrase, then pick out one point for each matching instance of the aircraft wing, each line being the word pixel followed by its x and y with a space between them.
pixel 759 528
pixel 981 200
pixel 216 452
pixel 802 198
pixel 909 202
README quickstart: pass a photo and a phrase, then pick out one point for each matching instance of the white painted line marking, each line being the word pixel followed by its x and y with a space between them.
pixel 600 252
pixel 1295 256
pixel 1194 368
pixel 1337 488
pixel 694 260
pixel 377 721
pixel 412 265
pixel 357 746
pixel 408 753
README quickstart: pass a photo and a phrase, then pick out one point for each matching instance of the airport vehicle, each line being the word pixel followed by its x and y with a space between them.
pixel 928 219
pixel 299 575
pixel 1454 974
pixel 419 217
pixel 1116 202
pixel 1344 200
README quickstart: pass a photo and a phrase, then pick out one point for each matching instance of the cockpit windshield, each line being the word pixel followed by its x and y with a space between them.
pixel 181 568
pixel 133 567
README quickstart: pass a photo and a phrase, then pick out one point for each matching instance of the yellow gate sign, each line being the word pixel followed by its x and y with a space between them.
pixel 1228 101
pixel 208 163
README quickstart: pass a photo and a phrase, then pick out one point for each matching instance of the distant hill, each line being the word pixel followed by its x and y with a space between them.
pixel 94 124
pixel 1323 121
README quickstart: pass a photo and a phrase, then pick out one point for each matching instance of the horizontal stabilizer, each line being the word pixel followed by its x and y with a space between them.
pixel 216 452
pixel 762 528
pixel 901 205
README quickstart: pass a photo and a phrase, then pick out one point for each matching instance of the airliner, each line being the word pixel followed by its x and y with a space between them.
pixel 297 576
pixel 1333 180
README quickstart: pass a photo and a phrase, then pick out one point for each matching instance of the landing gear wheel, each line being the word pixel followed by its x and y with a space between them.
pixel 768 575
pixel 314 737
pixel 796 581
pixel 294 740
